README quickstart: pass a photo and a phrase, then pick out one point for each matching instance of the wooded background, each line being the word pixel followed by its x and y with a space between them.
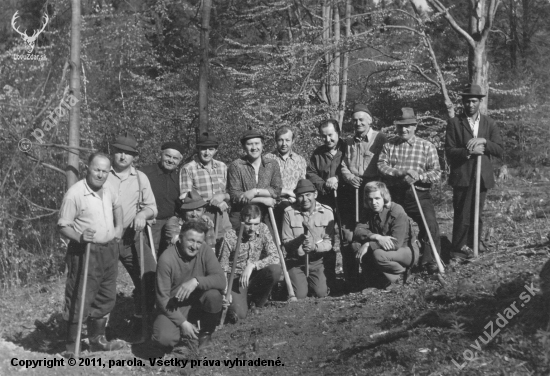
pixel 268 64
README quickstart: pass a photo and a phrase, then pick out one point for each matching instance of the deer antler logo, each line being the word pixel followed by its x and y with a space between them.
pixel 30 41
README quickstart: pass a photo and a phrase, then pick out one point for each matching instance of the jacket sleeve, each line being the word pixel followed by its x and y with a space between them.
pixel 214 277
pixel 362 231
pixel 455 152
pixel 148 196
pixel 172 227
pixel 399 228
pixel 163 287
pixel 346 173
pixel 268 248
pixel 384 162
pixel 234 185
pixel 433 171
pixel 290 243
pixel 276 185
pixel 312 173
pixel 494 146
pixel 186 181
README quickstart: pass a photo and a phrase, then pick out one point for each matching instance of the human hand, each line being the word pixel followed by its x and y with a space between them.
pixel 473 142
pixel 362 251
pixel 227 302
pixel 118 233
pixel 186 289
pixel 189 330
pixel 308 245
pixel 140 222
pixel 87 236
pixel 269 202
pixel 386 242
pixel 218 201
pixel 413 174
pixel 409 180
pixel 356 182
pixel 332 183
pixel 477 150
pixel 174 239
pixel 247 196
pixel 245 276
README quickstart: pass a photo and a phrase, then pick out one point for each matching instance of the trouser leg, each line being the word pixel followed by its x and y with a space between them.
pixel 393 263
pixel 463 220
pixel 317 281
pixel 371 274
pixel 299 281
pixel 329 264
pixel 239 302
pixel 160 238
pixel 106 295
pixel 165 332
pixel 261 282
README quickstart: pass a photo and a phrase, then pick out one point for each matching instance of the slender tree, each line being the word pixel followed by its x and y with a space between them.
pixel 204 66
pixel 74 114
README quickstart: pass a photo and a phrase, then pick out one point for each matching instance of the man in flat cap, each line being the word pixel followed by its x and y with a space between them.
pixel 253 179
pixel 469 136
pixel 359 167
pixel 409 160
pixel 138 205
pixel 308 229
pixel 164 179
pixel 208 177
pixel 193 208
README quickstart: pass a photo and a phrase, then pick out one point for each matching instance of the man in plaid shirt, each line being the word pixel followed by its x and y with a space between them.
pixel 208 177
pixel 405 160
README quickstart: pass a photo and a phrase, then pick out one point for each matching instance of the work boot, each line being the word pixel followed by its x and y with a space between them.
pixel 205 340
pixel 70 343
pixel 96 336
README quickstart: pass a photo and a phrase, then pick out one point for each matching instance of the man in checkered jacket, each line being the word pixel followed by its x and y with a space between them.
pixel 406 160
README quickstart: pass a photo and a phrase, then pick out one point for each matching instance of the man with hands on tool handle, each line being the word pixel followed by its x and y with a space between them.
pixel 90 214
pixel 468 136
pixel 406 160
pixel 138 205
pixel 318 219
pixel 383 240
pixel 188 289
pixel 257 267
pixel 208 177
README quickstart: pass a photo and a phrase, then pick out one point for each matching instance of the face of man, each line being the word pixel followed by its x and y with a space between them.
pixel 191 242
pixel 98 171
pixel 253 148
pixel 251 225
pixel 206 154
pixel 330 136
pixel 170 159
pixel 193 214
pixel 405 131
pixel 284 143
pixel 471 105
pixel 361 122
pixel 123 159
pixel 307 200
pixel 375 201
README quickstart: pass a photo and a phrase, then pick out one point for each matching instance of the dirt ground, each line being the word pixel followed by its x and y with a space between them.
pixel 433 330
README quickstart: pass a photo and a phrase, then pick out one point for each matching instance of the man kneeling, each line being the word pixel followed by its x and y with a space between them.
pixel 383 239
pixel 189 285
pixel 257 269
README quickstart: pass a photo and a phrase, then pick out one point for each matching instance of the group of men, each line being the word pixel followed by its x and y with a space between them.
pixel 191 218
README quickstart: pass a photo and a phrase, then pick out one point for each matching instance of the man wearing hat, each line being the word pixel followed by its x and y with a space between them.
pixel 164 179
pixel 406 160
pixel 192 208
pixel 469 136
pixel 138 205
pixel 359 167
pixel 253 179
pixel 308 228
pixel 208 177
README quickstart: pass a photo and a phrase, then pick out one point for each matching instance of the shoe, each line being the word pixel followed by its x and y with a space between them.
pixel 96 336
pixel 431 267
pixel 253 309
pixel 205 340
pixel 466 253
pixel 232 317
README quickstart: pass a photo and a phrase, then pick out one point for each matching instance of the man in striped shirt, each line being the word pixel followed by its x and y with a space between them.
pixel 406 160
pixel 208 177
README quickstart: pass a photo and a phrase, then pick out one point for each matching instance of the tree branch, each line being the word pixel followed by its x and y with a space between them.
pixel 441 9
pixel 47 165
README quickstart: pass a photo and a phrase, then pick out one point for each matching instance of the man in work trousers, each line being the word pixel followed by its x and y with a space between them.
pixel 164 179
pixel 323 171
pixel 208 176
pixel 318 219
pixel 409 159
pixel 469 135
pixel 359 167
pixel 138 205
pixel 189 284
pixel 86 216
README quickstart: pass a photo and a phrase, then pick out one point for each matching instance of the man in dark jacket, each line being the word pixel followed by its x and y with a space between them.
pixel 470 135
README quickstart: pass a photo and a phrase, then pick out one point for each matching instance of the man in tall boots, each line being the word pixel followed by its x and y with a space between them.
pixel 86 217
pixel 468 136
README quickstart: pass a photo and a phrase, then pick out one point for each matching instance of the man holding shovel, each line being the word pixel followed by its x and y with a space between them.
pixel 471 138
pixel 409 160
pixel 86 217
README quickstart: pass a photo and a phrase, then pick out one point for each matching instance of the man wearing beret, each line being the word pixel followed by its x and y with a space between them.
pixel 192 208
pixel 409 160
pixel 471 138
pixel 252 179
pixel 308 229
pixel 164 179
pixel 359 167
pixel 208 177
pixel 138 205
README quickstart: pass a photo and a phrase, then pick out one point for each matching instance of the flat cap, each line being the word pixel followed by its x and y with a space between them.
pixel 361 107
pixel 193 200
pixel 126 142
pixel 251 133
pixel 173 145
pixel 206 139
pixel 303 186
pixel 407 117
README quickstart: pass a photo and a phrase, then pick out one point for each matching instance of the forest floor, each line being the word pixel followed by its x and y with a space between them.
pixel 433 330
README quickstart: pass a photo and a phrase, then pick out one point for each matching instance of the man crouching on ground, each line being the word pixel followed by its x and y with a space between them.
pixel 189 285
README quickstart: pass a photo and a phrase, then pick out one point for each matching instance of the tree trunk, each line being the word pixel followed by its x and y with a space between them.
pixel 74 113
pixel 478 66
pixel 513 35
pixel 204 67
pixel 345 65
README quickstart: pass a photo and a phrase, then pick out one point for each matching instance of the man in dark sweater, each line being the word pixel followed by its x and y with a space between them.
pixel 164 179
pixel 189 285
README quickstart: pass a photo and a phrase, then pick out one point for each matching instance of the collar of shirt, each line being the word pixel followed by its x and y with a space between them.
pixel 161 171
pixel 278 155
pixel 365 136
pixel 132 171
pixel 472 120
pixel 383 215
pixel 252 236
pixel 339 146
pixel 318 209
pixel 201 165
pixel 89 190
pixel 244 160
